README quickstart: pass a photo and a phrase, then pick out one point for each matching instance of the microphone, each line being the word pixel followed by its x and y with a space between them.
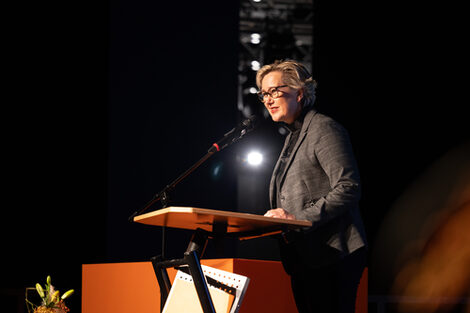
pixel 234 134
pixel 247 125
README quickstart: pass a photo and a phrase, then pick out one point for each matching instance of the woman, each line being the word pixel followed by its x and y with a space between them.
pixel 316 179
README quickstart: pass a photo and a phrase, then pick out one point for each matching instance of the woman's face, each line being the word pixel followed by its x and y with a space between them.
pixel 286 108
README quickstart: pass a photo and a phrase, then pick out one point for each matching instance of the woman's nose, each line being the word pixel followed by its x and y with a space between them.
pixel 268 101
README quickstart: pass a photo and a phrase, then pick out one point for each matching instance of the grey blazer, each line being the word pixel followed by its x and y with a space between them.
pixel 321 184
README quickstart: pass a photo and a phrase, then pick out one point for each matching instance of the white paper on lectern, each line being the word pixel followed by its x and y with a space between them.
pixel 232 280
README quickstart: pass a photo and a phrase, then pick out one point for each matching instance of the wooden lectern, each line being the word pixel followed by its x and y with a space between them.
pixel 207 224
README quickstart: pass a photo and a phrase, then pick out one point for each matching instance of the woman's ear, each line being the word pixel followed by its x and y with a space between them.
pixel 300 95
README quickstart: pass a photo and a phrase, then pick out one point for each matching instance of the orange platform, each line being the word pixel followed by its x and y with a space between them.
pixel 133 287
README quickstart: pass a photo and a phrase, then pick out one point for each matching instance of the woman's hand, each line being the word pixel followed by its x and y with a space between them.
pixel 279 213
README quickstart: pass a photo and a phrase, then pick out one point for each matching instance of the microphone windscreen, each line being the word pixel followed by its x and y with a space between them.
pixel 250 122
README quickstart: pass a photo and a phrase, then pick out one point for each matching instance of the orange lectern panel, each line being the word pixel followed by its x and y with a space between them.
pixel 193 218
pixel 120 288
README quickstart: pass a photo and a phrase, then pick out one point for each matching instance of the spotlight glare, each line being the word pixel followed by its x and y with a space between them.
pixel 255 38
pixel 254 158
pixel 253 90
pixel 255 65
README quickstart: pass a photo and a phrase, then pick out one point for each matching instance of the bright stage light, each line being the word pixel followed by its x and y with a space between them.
pixel 255 38
pixel 254 158
pixel 255 65
pixel 253 90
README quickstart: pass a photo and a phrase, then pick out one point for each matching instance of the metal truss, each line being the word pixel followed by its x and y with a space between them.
pixel 270 30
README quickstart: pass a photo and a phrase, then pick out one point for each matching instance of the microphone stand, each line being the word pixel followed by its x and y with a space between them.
pixel 229 138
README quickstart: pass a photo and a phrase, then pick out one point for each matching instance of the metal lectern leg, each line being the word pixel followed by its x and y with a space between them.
pixel 162 279
pixel 191 258
pixel 199 281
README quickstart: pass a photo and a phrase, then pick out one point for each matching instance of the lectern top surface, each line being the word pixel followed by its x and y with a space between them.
pixel 193 218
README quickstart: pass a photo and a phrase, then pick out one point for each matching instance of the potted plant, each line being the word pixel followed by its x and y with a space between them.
pixel 51 300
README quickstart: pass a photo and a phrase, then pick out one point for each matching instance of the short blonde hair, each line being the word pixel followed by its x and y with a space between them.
pixel 295 75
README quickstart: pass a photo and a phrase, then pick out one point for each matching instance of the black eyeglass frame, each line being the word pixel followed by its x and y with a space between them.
pixel 261 95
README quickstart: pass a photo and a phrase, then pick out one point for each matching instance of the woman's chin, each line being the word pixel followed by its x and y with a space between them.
pixel 276 117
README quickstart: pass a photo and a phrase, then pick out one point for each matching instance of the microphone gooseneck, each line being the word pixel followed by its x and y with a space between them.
pixel 234 134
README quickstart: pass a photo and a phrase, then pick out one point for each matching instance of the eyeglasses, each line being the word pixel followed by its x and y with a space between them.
pixel 274 93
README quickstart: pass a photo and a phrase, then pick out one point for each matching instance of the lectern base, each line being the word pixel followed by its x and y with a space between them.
pixel 133 287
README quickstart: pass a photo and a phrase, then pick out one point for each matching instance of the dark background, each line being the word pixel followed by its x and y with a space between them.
pixel 105 104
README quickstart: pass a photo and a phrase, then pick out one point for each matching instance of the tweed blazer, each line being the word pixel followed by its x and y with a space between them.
pixel 320 183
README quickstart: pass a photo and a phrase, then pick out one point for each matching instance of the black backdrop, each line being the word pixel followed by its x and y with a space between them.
pixel 107 104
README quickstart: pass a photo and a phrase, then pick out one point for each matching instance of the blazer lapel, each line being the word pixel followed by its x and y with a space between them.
pixel 303 132
pixel 276 168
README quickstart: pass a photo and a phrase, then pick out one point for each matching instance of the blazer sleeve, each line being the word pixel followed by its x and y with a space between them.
pixel 332 149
